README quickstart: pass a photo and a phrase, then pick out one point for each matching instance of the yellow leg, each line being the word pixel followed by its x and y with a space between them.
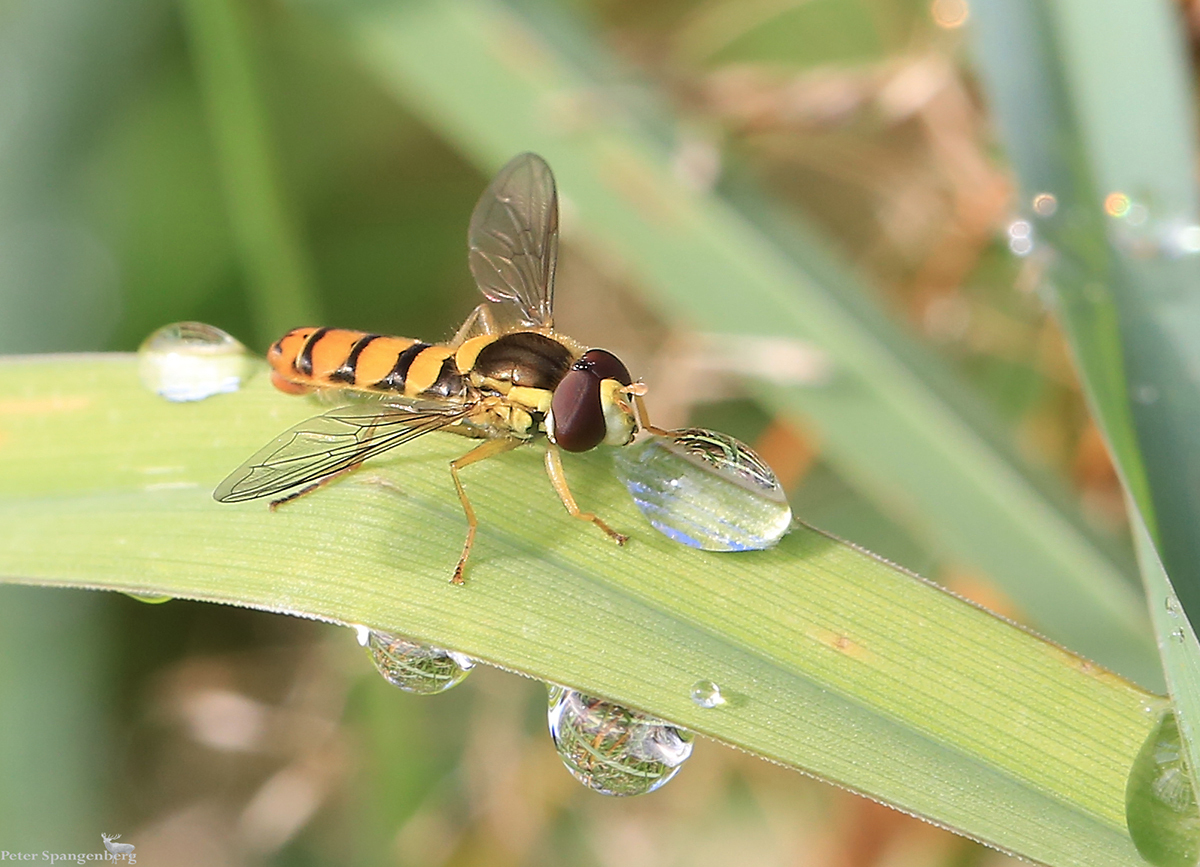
pixel 482 452
pixel 558 478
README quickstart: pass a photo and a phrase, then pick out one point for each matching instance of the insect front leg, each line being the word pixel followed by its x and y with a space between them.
pixel 482 452
pixel 558 478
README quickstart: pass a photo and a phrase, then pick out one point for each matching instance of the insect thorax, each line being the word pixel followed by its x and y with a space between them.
pixel 524 358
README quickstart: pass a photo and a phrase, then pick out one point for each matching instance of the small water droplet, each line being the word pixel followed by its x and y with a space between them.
pixel 1160 805
pixel 1177 636
pixel 1020 237
pixel 191 361
pixel 1172 607
pixel 1116 204
pixel 706 490
pixel 611 749
pixel 950 14
pixel 707 694
pixel 150 599
pixel 1146 394
pixel 1045 204
pixel 412 666
pixel 1137 214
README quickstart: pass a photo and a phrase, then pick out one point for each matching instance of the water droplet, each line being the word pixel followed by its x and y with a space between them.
pixel 612 749
pixel 705 489
pixel 1116 204
pixel 707 694
pixel 1172 607
pixel 412 666
pixel 1160 805
pixel 950 14
pixel 1145 394
pixel 149 599
pixel 1020 237
pixel 1177 636
pixel 1137 214
pixel 1045 204
pixel 191 361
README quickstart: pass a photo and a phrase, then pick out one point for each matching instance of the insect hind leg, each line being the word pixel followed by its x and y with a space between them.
pixel 317 485
pixel 481 452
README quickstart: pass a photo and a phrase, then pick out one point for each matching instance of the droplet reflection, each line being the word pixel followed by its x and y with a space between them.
pixel 611 749
pixel 706 490
pixel 188 361
pixel 412 666
pixel 1160 805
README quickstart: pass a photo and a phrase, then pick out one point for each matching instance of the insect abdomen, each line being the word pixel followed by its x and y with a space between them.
pixel 311 358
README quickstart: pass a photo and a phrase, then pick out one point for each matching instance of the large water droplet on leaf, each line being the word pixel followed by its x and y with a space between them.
pixel 705 489
pixel 611 749
pixel 188 361
pixel 413 666
pixel 1160 805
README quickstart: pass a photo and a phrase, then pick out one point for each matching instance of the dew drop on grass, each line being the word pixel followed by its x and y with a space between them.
pixel 706 490
pixel 1160 805
pixel 611 749
pixel 149 599
pixel 707 694
pixel 187 361
pixel 413 666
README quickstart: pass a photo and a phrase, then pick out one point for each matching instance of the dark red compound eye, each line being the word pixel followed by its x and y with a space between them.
pixel 605 365
pixel 578 415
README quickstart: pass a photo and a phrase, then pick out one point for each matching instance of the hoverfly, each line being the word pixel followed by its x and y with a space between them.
pixel 506 377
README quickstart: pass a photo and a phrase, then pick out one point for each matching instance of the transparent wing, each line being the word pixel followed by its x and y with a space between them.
pixel 514 240
pixel 335 441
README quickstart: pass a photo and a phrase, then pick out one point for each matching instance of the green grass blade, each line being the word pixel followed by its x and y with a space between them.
pixel 1111 112
pixel 282 287
pixel 835 662
pixel 890 419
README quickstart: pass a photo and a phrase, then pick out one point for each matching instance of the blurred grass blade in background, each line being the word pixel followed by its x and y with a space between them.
pixel 892 419
pixel 62 64
pixel 831 660
pixel 279 277
pixel 1095 107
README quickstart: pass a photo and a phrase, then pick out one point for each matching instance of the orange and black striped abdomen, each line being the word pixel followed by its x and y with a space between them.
pixel 310 358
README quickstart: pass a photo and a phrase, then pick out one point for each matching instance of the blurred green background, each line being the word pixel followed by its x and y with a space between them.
pixel 147 177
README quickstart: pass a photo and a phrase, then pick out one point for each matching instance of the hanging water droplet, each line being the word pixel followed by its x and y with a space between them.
pixel 1045 204
pixel 707 694
pixel 149 599
pixel 1172 607
pixel 1160 805
pixel 612 749
pixel 191 361
pixel 705 489
pixel 412 666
